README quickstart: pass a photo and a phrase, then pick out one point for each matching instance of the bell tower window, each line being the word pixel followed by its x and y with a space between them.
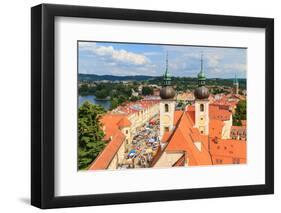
pixel 201 107
pixel 166 108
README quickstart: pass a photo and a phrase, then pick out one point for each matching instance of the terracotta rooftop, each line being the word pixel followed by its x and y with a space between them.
pixel 215 128
pixel 217 113
pixel 112 124
pixel 166 136
pixel 197 149
pixel 228 148
pixel 183 140
pixel 124 122
pixel 135 107
pixel 177 116
pixel 105 157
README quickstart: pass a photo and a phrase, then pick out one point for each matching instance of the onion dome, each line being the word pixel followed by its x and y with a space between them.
pixel 201 92
pixel 167 92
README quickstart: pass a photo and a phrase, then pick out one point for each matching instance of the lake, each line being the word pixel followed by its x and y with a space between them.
pixel 92 99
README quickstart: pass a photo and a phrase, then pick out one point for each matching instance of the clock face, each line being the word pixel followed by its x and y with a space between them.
pixel 166 119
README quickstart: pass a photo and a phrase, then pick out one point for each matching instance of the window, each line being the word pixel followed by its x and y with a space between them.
pixel 127 132
pixel 166 108
pixel 201 107
pixel 166 129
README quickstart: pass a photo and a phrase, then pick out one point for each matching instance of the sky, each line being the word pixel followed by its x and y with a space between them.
pixel 120 59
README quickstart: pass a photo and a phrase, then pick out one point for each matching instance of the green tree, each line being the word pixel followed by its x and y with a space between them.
pixel 147 91
pixel 102 94
pixel 114 103
pixel 240 113
pixel 135 98
pixel 90 134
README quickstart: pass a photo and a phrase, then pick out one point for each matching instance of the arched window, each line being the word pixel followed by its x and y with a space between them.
pixel 166 108
pixel 201 107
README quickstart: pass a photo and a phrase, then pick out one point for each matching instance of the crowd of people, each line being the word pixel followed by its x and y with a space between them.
pixel 144 146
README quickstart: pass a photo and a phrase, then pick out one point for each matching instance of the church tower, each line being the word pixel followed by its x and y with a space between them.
pixel 235 86
pixel 201 94
pixel 167 103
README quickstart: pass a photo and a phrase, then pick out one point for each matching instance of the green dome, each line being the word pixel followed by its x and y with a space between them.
pixel 201 76
pixel 167 76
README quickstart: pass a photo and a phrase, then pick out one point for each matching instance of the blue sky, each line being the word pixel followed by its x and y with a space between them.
pixel 105 58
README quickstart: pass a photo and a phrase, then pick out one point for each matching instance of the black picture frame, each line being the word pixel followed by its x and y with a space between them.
pixel 43 102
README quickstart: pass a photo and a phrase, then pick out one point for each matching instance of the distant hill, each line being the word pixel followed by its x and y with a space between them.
pixel 158 79
pixel 93 77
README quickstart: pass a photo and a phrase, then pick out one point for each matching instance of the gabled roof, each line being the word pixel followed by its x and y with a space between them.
pixel 166 136
pixel 183 139
pixel 124 122
pixel 105 157
pixel 191 113
pixel 177 116
pixel 112 124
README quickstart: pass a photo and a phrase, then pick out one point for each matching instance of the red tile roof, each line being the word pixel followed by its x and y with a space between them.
pixel 105 157
pixel 185 136
pixel 177 116
pixel 166 136
pixel 217 113
pixel 191 113
pixel 112 123
pixel 228 148
pixel 215 128
pixel 183 139
pixel 124 122
pixel 135 107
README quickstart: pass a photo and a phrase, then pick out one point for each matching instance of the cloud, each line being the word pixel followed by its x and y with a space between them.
pixel 121 55
pixel 139 59
pixel 238 67
pixel 213 60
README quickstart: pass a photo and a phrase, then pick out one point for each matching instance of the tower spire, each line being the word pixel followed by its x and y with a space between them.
pixel 167 62
pixel 202 63
pixel 167 76
pixel 201 74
